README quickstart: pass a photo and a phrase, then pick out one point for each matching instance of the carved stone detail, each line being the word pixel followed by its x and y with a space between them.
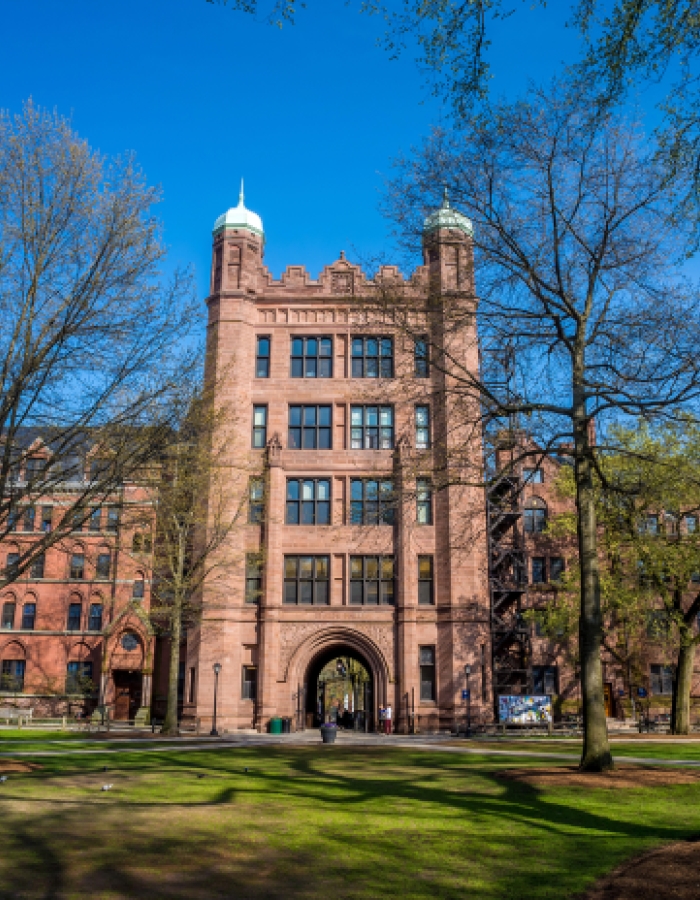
pixel 342 283
pixel 294 634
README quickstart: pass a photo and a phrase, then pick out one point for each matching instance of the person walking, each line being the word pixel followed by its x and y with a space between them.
pixel 387 720
pixel 382 720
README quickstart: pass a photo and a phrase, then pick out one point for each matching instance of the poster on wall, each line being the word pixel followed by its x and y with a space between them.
pixel 524 709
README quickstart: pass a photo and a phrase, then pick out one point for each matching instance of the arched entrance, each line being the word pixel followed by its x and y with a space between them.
pixel 339 687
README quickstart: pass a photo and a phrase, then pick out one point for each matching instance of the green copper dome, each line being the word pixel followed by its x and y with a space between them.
pixel 446 217
pixel 240 217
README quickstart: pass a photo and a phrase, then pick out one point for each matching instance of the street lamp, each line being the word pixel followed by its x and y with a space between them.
pixel 217 669
pixel 468 698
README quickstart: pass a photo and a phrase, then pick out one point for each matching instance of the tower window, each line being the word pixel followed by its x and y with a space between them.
pixel 308 501
pixel 372 427
pixel 312 357
pixel 306 580
pixel 426 594
pixel 371 502
pixel 262 359
pixel 421 359
pixel 371 580
pixel 372 357
pixel 310 428
pixel 259 426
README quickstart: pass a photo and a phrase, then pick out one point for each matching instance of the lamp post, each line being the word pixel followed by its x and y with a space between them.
pixel 217 669
pixel 468 672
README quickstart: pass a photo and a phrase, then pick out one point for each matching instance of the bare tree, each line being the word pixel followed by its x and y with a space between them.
pixel 576 255
pixel 96 360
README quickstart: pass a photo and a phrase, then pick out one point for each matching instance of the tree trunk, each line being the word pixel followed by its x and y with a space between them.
pixel 170 725
pixel 596 756
pixel 682 683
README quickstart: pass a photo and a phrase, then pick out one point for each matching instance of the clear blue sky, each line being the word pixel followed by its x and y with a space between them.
pixel 311 115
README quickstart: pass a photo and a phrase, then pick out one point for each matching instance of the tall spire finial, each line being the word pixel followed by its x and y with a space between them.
pixel 241 198
pixel 445 198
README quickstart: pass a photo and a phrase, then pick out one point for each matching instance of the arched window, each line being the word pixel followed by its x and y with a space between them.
pixel 139 588
pixel 13 669
pixel 77 564
pixel 104 563
pixel 8 614
pixel 535 515
pixel 75 615
pixel 95 619
pixel 28 616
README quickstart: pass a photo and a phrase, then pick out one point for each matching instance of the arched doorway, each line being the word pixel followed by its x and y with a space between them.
pixel 339 687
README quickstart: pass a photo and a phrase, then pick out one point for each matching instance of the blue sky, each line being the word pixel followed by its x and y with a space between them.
pixel 311 115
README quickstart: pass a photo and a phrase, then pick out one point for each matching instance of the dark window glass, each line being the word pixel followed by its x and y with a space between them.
pixel 372 357
pixel 253 577
pixel 262 360
pixel 77 566
pixel 95 519
pixel 426 656
pixel 424 502
pixel 79 677
pixel 12 678
pixel 535 517
pixel 138 589
pixel 421 358
pixel 28 616
pixel 95 618
pixel 74 616
pixel 545 679
pixel 372 580
pixel 104 564
pixel 28 519
pixel 250 683
pixel 372 427
pixel 309 428
pixel 99 469
pixel 191 684
pixel 259 426
pixel 34 469
pixel 8 615
pixel 46 518
pixel 426 595
pixel 13 519
pixel 539 570
pixel 306 579
pixel 312 357
pixel 422 427
pixel 256 500
pixel 533 476
pixel 12 564
pixel 372 502
pixel 556 568
pixel 308 501
pixel 661 679
pixel 650 525
pixel 112 519
pixel 36 570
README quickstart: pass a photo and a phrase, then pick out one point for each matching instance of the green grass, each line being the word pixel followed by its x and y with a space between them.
pixel 311 822
pixel 653 749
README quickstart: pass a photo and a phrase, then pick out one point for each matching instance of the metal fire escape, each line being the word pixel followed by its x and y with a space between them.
pixel 510 634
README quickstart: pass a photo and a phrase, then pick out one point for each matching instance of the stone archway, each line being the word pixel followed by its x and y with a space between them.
pixel 323 644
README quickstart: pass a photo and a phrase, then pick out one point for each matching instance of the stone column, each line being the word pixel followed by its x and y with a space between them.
pixel 406 600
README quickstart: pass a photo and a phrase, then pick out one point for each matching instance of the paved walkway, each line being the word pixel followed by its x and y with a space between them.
pixel 435 743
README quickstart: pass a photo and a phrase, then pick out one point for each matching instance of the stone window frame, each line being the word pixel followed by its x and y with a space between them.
pixel 305 428
pixel 369 578
pixel 305 581
pixel 362 435
pixel 369 356
pixel 372 509
pixel 302 504
pixel 308 361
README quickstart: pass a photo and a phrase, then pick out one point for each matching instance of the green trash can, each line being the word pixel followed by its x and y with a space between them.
pixel 275 726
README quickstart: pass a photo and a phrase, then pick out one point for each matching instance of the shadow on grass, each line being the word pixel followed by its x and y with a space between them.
pixel 306 823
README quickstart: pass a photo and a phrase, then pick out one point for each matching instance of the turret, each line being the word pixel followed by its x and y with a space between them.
pixel 239 242
pixel 447 248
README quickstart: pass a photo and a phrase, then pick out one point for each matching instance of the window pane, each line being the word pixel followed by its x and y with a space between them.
pixel 425 567
pixel 307 513
pixel 357 346
pixel 371 416
pixel 311 367
pixel 307 490
pixel 306 592
pixel 326 347
pixel 321 567
pixel 357 368
pixel 356 592
pixel 297 367
pixel 325 368
pixel 322 592
pixel 259 415
pixel 356 567
pixel 263 346
pixel 292 513
pixel 295 415
pixel 324 415
pixel 311 347
pixel 323 513
pixel 292 490
pixel 309 415
pixel 372 595
pixel 323 490
pixel 371 567
pixel 356 415
pixel 372 367
pixel 297 347
pixel 427 656
pixel 388 592
pixel 372 347
pixel 290 592
pixel 290 567
pixel 387 415
pixel 306 566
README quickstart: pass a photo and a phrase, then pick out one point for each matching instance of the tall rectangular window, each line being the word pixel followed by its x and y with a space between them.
pixel 259 426
pixel 8 614
pixel 12 563
pixel 424 502
pixel 74 616
pixel 426 657
pixel 372 357
pixel 28 616
pixel 256 500
pixel 95 519
pixel 138 588
pixel 372 427
pixel 191 682
pixel 104 564
pixel 262 358
pixel 312 357
pixel 113 519
pixel 36 569
pixel 539 570
pixel 95 617
pixel 661 679
pixel 691 524
pixel 28 519
pixel 12 678
pixel 556 568
pixel 310 428
pixel 426 592
pixel 78 677
pixel 372 502
pixel 46 518
pixel 250 683
pixel 421 358
pixel 422 427
pixel 253 577
pixel 544 679
pixel 308 501
pixel 306 579
pixel 77 566
pixel 371 580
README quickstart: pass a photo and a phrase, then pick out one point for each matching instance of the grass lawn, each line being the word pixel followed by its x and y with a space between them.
pixel 312 822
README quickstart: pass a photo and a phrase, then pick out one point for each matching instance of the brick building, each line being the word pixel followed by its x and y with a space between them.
pixel 349 554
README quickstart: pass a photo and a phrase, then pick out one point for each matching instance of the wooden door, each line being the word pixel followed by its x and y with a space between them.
pixel 127 695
